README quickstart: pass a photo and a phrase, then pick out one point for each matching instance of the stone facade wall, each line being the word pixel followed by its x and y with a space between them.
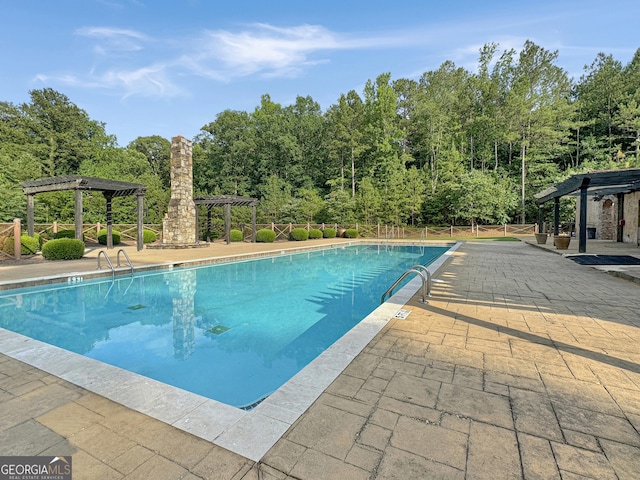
pixel 601 215
pixel 631 229
pixel 179 225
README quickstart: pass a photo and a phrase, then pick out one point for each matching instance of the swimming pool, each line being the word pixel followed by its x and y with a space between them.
pixel 232 332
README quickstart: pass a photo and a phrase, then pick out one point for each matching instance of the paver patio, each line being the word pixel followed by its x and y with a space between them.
pixel 523 365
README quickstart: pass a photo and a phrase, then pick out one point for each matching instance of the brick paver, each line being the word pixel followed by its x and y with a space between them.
pixel 523 365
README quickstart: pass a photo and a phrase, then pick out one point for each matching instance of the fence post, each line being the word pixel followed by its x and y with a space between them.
pixel 426 232
pixel 505 229
pixel 17 244
pixel 273 227
pixel 477 230
pixel 55 228
pixel 451 231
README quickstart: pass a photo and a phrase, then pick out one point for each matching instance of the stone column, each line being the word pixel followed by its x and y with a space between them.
pixel 179 226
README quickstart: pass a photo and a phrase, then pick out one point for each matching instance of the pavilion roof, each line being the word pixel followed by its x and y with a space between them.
pixel 222 200
pixel 599 182
pixel 114 188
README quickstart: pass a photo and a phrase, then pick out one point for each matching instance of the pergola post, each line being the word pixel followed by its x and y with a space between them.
pixel 140 205
pixel 209 223
pixel 582 234
pixel 17 242
pixel 227 222
pixel 556 216
pixel 109 199
pixel 253 224
pixel 78 213
pixel 30 215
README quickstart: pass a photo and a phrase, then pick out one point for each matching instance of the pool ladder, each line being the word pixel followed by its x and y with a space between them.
pixel 106 257
pixel 425 275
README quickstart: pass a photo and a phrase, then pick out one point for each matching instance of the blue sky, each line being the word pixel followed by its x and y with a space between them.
pixel 160 67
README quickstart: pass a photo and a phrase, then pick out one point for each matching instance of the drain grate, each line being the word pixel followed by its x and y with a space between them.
pixel 402 314
pixel 218 329
pixel 136 307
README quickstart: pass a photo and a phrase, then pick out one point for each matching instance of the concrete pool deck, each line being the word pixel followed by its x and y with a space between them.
pixel 524 364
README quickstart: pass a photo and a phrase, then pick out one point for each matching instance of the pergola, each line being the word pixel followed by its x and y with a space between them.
pixel 228 201
pixel 80 183
pixel 600 183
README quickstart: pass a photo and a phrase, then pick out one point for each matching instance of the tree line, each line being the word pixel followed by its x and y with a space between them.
pixel 453 147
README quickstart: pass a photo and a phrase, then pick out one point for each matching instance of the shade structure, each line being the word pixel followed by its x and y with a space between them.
pixel 80 183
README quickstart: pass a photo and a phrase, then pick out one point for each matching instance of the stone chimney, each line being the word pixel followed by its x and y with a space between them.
pixel 179 224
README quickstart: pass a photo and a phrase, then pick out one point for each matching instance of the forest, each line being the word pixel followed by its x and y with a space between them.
pixel 452 148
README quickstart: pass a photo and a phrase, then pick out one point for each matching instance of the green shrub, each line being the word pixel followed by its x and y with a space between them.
pixel 65 234
pixel 329 232
pixel 350 233
pixel 102 236
pixel 236 236
pixel 315 233
pixel 299 234
pixel 148 236
pixel 63 249
pixel 265 235
pixel 211 235
pixel 30 245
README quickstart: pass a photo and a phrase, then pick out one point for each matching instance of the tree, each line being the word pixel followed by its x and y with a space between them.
pixel 157 151
pixel 60 134
pixel 277 201
pixel 16 166
pixel 126 165
pixel 484 197
pixel 226 162
pixel 437 129
pixel 600 91
pixel 346 127
pixel 539 102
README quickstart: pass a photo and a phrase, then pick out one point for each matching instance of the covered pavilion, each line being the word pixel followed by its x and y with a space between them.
pixel 597 183
pixel 228 201
pixel 80 183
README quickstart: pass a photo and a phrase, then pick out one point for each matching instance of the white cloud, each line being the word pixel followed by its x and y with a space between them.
pixel 114 39
pixel 132 63
pixel 268 50
pixel 151 81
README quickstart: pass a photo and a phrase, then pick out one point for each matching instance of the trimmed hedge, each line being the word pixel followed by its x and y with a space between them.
pixel 265 235
pixel 315 233
pixel 236 236
pixel 148 236
pixel 329 232
pixel 68 233
pixel 63 249
pixel 102 236
pixel 299 234
pixel 350 233
pixel 30 245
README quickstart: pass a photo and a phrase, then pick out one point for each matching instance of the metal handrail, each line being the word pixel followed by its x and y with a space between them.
pixel 125 256
pixel 425 270
pixel 402 277
pixel 104 253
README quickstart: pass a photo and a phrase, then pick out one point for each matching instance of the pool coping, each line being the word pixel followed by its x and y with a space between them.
pixel 248 433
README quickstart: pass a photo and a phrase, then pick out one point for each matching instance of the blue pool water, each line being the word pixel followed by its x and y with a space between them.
pixel 233 332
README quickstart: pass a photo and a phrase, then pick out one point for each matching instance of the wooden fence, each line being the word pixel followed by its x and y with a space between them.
pixel 128 232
